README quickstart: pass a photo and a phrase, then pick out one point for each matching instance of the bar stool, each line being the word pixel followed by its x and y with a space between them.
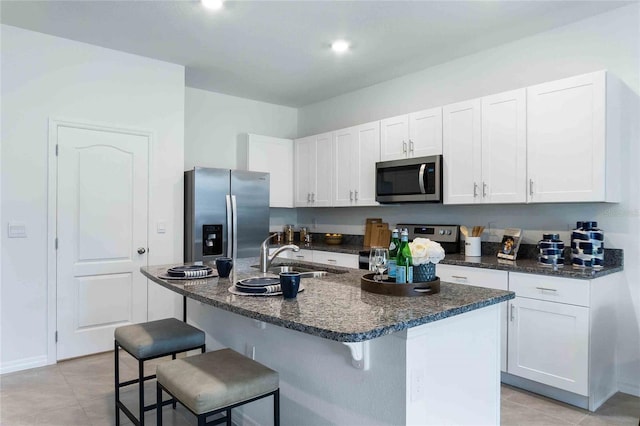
pixel 148 341
pixel 216 382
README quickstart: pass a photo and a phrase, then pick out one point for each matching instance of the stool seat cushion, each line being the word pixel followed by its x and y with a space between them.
pixel 159 337
pixel 214 380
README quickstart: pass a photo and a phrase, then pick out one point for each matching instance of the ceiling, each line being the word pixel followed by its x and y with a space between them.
pixel 278 51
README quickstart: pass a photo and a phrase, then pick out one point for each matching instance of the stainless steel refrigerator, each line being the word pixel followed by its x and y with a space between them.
pixel 226 213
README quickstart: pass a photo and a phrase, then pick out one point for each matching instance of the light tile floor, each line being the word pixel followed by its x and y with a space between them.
pixel 80 392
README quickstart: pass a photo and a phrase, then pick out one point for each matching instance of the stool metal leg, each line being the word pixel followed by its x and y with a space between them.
pixel 141 391
pixel 159 404
pixel 228 413
pixel 276 407
pixel 117 374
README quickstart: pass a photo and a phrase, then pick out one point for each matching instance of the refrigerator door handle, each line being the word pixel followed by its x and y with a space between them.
pixel 234 207
pixel 229 226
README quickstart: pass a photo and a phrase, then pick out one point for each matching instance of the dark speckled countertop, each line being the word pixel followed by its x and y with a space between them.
pixel 333 307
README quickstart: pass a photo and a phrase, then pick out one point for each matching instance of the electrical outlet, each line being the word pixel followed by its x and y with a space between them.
pixel 417 384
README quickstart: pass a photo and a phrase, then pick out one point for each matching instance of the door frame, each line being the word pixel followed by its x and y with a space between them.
pixel 52 214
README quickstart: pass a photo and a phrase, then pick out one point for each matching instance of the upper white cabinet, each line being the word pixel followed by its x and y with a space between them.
pixel 313 166
pixel 461 152
pixel 485 150
pixel 274 156
pixel 572 139
pixel 356 151
pixel 412 135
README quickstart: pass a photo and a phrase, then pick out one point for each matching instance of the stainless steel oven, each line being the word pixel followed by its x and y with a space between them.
pixel 413 180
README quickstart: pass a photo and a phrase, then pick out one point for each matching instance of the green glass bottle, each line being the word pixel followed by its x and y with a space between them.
pixel 404 262
pixel 393 254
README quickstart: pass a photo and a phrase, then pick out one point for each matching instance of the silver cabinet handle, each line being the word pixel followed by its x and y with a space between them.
pixel 475 190
pixel 511 315
pixel 484 189
pixel 530 186
pixel 356 193
pixel 404 147
pixel 458 277
pixel 313 197
pixel 300 256
pixel 308 197
pixel 410 146
pixel 229 252
pixel 331 260
pixel 142 250
pixel 546 289
pixel 350 195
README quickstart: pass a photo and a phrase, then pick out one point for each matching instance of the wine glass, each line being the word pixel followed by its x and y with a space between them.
pixel 380 259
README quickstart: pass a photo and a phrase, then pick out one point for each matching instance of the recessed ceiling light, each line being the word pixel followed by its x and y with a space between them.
pixel 340 46
pixel 212 4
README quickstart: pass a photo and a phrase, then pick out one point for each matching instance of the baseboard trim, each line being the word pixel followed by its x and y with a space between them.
pixel 630 388
pixel 548 391
pixel 23 364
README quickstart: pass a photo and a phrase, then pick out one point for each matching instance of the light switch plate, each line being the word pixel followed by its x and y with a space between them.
pixel 17 230
pixel 161 227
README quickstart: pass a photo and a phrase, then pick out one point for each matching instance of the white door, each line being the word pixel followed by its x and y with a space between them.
pixel 425 132
pixel 366 153
pixel 343 147
pixel 305 168
pixel 394 138
pixel 504 148
pixel 549 343
pixel 566 139
pixel 101 224
pixel 461 147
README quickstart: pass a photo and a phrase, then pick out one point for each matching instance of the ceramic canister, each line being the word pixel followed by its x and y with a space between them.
pixel 587 245
pixel 551 250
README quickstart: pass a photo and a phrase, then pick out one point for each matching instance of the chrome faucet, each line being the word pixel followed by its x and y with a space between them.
pixel 266 259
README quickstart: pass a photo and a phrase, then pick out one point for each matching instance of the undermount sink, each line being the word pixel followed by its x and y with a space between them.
pixel 305 270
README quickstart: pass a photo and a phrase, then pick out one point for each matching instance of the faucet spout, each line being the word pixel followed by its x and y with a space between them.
pixel 266 259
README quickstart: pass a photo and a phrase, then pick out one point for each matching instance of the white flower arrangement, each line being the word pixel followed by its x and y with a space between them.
pixel 423 250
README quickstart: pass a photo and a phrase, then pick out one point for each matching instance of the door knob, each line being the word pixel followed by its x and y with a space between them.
pixel 142 250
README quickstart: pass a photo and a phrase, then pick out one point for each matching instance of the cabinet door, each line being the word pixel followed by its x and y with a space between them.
pixel 504 148
pixel 273 156
pixel 394 138
pixel 461 152
pixel 566 139
pixel 305 168
pixel 366 154
pixel 549 343
pixel 322 176
pixel 344 143
pixel 425 133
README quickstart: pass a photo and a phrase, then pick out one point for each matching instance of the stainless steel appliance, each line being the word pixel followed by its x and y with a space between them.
pixel 411 180
pixel 448 236
pixel 226 213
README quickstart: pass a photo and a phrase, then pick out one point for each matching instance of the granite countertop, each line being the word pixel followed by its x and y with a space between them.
pixel 333 307
pixel 526 263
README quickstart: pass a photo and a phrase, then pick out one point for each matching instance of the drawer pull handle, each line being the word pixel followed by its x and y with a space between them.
pixel 458 277
pixel 300 256
pixel 331 260
pixel 546 289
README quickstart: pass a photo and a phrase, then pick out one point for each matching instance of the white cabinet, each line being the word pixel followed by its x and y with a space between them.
pixel 336 259
pixel 562 334
pixel 573 139
pixel 481 278
pixel 274 156
pixel 485 150
pixel 461 152
pixel 313 166
pixel 356 151
pixel 412 135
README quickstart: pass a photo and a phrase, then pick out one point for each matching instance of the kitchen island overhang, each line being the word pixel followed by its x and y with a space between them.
pixel 427 356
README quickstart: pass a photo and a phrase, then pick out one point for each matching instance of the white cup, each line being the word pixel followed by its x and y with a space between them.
pixel 472 247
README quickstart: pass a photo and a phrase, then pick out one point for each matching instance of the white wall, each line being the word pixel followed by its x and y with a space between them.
pixel 609 41
pixel 43 77
pixel 215 123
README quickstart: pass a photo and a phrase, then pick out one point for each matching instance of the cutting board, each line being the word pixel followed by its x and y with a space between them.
pixel 377 233
pixel 368 231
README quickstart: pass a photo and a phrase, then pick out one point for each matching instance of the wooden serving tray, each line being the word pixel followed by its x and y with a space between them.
pixel 390 288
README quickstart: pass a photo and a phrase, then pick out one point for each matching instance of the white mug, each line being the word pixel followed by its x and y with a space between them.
pixel 472 247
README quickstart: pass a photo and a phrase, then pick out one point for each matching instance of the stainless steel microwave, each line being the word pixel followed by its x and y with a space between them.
pixel 413 180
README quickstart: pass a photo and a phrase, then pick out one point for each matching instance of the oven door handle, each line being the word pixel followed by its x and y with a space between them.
pixel 421 178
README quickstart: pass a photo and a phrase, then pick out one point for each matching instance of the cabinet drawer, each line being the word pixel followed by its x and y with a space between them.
pixel 478 277
pixel 306 255
pixel 553 289
pixel 336 259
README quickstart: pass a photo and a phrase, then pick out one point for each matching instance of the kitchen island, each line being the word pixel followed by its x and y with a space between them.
pixel 350 357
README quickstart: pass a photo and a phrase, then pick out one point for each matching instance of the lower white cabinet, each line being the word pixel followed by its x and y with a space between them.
pixel 477 277
pixel 336 259
pixel 562 334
